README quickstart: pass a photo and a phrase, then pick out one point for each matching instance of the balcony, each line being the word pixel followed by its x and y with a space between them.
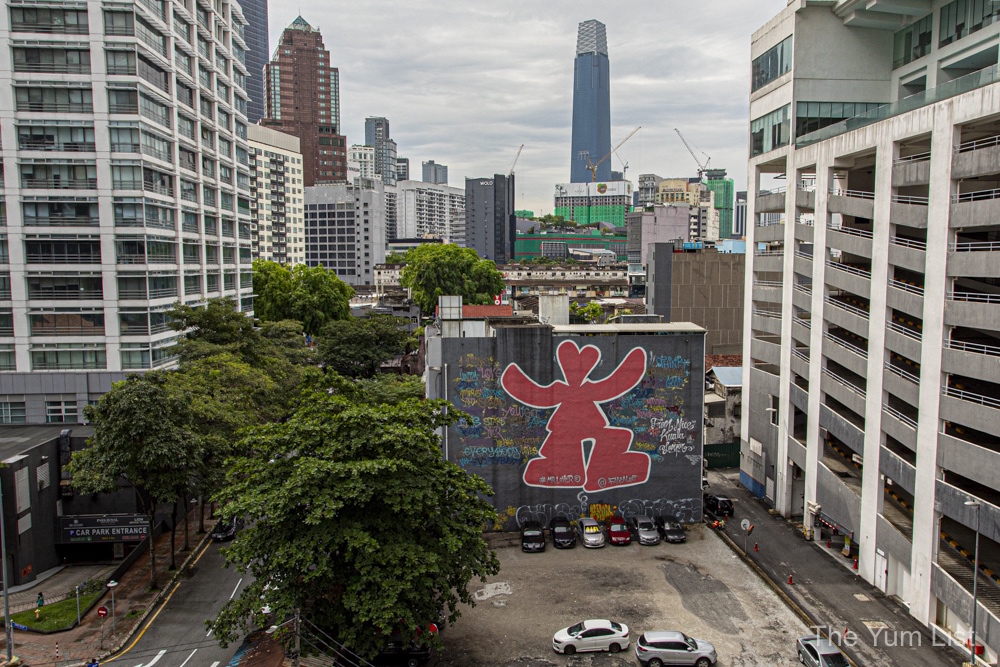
pixel 974 259
pixel 53 68
pixel 975 310
pixel 43 106
pixel 31 144
pixel 912 170
pixel 973 409
pixel 849 278
pixel 980 208
pixel 976 158
pixel 858 203
pixel 770 201
pixel 59 183
pixel 908 253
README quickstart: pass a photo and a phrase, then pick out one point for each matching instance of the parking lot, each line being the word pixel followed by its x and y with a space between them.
pixel 698 587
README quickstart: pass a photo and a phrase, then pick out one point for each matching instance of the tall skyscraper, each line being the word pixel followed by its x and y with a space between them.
pixel 489 217
pixel 302 98
pixel 255 56
pixel 591 103
pixel 377 136
pixel 127 190
pixel 435 173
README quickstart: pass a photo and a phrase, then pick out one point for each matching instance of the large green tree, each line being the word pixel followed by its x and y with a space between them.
pixel 141 436
pixel 358 346
pixel 311 295
pixel 445 269
pixel 355 519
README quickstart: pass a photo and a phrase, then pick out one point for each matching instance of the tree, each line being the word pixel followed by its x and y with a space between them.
pixel 434 270
pixel 355 519
pixel 395 257
pixel 272 286
pixel 311 295
pixel 212 329
pixel 141 436
pixel 358 346
pixel 589 313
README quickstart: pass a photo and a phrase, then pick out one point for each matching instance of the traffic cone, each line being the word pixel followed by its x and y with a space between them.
pixel 755 547
pixel 829 543
pixel 790 582
pixel 855 563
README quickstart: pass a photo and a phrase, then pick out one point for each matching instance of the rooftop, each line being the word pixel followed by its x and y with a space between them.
pixel 16 440
pixel 729 376
pixel 634 329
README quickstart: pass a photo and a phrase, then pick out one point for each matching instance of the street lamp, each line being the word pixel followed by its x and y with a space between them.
pixel 114 627
pixel 975 577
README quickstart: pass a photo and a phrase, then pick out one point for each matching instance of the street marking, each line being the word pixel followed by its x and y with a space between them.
pixel 189 657
pixel 237 588
pixel 151 662
pixel 862 597
pixel 163 606
pixel 215 664
pixel 209 634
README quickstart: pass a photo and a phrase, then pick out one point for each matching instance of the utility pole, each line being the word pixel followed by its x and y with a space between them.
pixel 6 606
pixel 298 635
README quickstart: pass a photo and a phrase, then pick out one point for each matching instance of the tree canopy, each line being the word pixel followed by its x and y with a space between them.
pixel 358 346
pixel 355 519
pixel 434 270
pixel 310 295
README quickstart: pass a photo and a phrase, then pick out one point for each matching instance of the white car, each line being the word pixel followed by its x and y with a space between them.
pixel 593 635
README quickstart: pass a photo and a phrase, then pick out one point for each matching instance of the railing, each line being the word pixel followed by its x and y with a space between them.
pixel 155 7
pixel 53 68
pixel 63 258
pixel 804 322
pixel 162 292
pixel 117 147
pixel 158 189
pixel 906 375
pixel 977 144
pixel 906 287
pixel 773 191
pixel 764 312
pixel 974 297
pixel 917 157
pixel 806 186
pixel 161 118
pixel 853 231
pixel 62 28
pixel 801 287
pixel 154 77
pixel 971 397
pixel 846 306
pixel 152 40
pixel 188 195
pixel 803 255
pixel 856 194
pixel 119 30
pixel 908 243
pixel 123 108
pixel 843 343
pixel 53 294
pixel 66 330
pixel 130 258
pixel 839 380
pixel 769 253
pixel 60 183
pixel 979 246
pixel 60 221
pixel 157 153
pixel 909 421
pixel 910 199
pixel 807 221
pixel 840 266
pixel 122 70
pixel 59 107
pixel 796 352
pixel 767 283
pixel 978 195
pixel 68 146
pixel 127 184
pixel 906 331
pixel 977 348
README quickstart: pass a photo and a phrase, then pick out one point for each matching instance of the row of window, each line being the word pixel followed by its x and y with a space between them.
pixel 958 19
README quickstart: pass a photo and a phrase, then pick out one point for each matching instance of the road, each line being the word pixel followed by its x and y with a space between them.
pixel 175 635
pixel 831 594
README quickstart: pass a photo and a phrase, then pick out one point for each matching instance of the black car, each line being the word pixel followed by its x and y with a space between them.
pixel 401 653
pixel 670 528
pixel 719 505
pixel 226 529
pixel 563 535
pixel 532 536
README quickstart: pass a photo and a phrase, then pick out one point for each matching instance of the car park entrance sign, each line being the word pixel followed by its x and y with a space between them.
pixel 103 528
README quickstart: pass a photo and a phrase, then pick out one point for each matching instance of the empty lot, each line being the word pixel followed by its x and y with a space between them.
pixel 698 587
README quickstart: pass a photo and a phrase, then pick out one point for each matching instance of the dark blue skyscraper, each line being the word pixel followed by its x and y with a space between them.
pixel 257 55
pixel 591 103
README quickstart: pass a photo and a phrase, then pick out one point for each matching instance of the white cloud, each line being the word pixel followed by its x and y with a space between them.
pixel 465 83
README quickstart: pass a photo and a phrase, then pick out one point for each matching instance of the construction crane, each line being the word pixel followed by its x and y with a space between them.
pixel 510 172
pixel 702 167
pixel 592 166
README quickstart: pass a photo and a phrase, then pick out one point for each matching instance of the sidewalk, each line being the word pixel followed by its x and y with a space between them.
pixel 132 599
pixel 57 584
pixel 827 590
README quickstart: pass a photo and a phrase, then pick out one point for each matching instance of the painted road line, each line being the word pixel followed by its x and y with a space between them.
pixel 236 589
pixel 153 661
pixel 215 664
pixel 189 657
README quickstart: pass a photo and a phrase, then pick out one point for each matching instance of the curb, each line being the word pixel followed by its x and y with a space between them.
pixel 164 591
pixel 773 585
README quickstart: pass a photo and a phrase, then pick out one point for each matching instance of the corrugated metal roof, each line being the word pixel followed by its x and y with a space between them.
pixel 730 376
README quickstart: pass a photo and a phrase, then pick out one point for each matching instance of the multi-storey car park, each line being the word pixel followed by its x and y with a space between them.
pixel 126 188
pixel 873 293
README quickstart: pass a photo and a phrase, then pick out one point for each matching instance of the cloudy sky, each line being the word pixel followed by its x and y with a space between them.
pixel 465 83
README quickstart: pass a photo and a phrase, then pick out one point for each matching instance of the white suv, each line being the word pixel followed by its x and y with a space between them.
pixel 658 648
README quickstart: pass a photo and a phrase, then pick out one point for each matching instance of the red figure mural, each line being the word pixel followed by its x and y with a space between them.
pixel 578 418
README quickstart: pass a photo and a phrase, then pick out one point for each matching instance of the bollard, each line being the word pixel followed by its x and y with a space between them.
pixel 829 543
pixel 57 651
pixel 755 547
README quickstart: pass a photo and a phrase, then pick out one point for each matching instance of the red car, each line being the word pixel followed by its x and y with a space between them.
pixel 618 532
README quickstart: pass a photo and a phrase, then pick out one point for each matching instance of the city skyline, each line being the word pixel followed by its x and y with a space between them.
pixel 469 98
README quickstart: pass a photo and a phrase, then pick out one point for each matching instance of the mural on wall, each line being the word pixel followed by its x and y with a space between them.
pixel 596 426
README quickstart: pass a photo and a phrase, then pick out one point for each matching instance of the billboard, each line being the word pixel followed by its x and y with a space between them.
pixel 598 189
pixel 569 425
pixel 103 528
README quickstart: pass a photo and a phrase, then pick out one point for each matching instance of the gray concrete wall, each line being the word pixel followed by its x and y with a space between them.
pixel 896 469
pixel 503 437
pixel 838 501
pixel 968 460
pixel 659 279
pixel 959 600
pixel 889 539
pixel 976 163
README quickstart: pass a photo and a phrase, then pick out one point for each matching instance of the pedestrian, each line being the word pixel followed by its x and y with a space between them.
pixel 93 663
pixel 41 600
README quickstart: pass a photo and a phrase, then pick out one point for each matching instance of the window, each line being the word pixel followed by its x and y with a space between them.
pixel 812 116
pixel 60 412
pixel 770 131
pixel 964 17
pixel 12 412
pixel 22 489
pixel 42 476
pixel 8 361
pixel 68 356
pixel 913 41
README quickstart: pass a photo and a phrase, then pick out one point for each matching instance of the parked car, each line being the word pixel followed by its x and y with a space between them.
pixel 397 651
pixel 617 531
pixel 226 529
pixel 643 530
pixel 595 635
pixel 670 528
pixel 563 535
pixel 719 505
pixel 590 532
pixel 669 647
pixel 532 536
pixel 816 651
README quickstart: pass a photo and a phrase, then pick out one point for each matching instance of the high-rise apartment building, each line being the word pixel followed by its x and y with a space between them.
pixel 649 185
pixel 256 37
pixel 127 190
pixel 302 98
pixel 402 168
pixel 740 215
pixel 345 228
pixel 364 158
pixel 724 190
pixel 435 173
pixel 377 136
pixel 278 231
pixel 430 210
pixel 490 224
pixel 871 369
pixel 591 104
pixel 391 211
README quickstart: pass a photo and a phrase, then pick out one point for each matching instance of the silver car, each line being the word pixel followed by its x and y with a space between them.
pixel 643 530
pixel 816 651
pixel 658 648
pixel 591 533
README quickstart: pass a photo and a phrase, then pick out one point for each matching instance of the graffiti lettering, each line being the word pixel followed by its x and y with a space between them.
pixel 601 511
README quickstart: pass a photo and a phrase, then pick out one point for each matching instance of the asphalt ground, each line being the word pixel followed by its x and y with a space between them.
pixel 698 587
